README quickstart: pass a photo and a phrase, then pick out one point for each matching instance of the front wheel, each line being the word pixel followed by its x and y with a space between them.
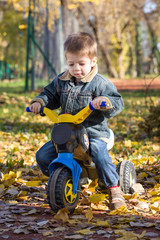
pixel 60 190
pixel 127 175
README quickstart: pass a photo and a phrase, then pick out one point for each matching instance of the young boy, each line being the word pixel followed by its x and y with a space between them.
pixel 72 90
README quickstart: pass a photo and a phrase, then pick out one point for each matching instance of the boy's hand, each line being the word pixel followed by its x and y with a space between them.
pixel 35 107
pixel 97 102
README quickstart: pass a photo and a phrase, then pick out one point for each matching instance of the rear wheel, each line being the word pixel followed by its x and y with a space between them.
pixel 60 190
pixel 127 175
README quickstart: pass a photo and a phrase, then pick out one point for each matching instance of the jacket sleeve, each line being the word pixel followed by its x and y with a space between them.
pixel 49 97
pixel 109 90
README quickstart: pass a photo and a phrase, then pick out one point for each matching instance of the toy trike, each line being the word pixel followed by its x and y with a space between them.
pixel 74 165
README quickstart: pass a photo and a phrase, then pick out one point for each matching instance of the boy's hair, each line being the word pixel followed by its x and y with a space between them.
pixel 81 42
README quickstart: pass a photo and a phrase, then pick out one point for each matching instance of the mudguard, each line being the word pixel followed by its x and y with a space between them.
pixel 67 160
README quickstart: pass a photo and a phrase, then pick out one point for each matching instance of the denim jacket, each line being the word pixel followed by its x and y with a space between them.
pixel 73 96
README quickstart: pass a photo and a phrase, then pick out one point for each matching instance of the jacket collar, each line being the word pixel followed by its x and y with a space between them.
pixel 67 76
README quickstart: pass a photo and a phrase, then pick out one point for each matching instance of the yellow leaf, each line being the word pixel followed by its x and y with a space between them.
pixel 153 193
pixel 94 183
pixel 97 197
pixel 13 202
pixel 5 110
pixel 84 231
pixel 89 214
pixel 22 193
pixel 129 235
pixel 48 233
pixel 128 143
pixel 134 196
pixel 143 175
pixel 120 210
pixel 99 206
pixel 158 185
pixel 72 221
pixel 9 176
pixel 157 177
pixel 18 174
pixel 1 186
pixel 102 223
pixel 33 183
pixel 155 199
pixel 22 26
pixel 155 206
pixel 127 196
pixel 44 205
pixel 9 182
pixel 62 214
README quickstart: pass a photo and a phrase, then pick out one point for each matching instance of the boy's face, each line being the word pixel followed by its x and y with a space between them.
pixel 79 65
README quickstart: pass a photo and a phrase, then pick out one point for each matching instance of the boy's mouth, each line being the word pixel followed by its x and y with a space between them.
pixel 78 75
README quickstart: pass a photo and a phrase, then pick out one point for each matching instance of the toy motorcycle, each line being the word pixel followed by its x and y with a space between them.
pixel 74 165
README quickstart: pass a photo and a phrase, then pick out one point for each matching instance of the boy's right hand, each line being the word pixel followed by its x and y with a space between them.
pixel 35 107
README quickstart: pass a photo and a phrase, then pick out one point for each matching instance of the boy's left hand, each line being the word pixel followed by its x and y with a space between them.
pixel 96 103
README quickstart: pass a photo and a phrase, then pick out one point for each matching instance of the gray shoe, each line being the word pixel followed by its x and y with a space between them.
pixel 116 199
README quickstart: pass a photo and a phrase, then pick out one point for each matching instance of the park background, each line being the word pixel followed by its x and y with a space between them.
pixel 32 33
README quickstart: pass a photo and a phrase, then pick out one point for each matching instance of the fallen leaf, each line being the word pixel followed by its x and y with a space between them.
pixel 59 229
pixel 85 231
pixel 48 233
pixel 42 223
pixel 33 183
pixel 62 214
pixel 33 211
pixel 97 197
pixel 74 237
pixel 100 223
pixel 89 214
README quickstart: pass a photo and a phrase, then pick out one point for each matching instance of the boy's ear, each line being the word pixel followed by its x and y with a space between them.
pixel 94 61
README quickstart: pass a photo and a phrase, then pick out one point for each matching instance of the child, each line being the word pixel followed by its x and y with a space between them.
pixel 72 90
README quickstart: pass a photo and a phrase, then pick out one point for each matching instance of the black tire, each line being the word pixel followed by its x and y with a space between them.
pixel 127 175
pixel 60 190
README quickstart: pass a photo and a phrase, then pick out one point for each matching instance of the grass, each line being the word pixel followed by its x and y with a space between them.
pixel 18 85
pixel 14 120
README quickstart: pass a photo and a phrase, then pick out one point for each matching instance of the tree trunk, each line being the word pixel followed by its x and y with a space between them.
pixel 138 51
pixel 131 55
pixel 93 25
pixel 120 51
pixel 155 50
pixel 45 68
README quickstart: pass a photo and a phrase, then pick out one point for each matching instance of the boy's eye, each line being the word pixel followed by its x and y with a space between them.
pixel 82 64
pixel 71 65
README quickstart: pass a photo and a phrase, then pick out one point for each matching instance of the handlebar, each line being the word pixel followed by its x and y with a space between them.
pixel 76 119
pixel 90 106
pixel 28 109
pixel 41 111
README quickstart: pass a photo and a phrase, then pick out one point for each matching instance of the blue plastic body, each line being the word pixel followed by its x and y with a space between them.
pixel 67 160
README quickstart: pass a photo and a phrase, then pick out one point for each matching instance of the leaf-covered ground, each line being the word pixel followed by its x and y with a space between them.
pixel 24 212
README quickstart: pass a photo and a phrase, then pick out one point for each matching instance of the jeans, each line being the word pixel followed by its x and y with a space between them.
pixel 98 148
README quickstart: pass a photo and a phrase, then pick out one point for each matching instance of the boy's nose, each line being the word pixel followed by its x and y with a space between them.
pixel 76 67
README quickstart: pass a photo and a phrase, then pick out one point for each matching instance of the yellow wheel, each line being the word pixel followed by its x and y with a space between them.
pixel 68 192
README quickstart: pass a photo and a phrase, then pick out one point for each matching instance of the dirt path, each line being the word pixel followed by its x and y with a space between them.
pixel 136 84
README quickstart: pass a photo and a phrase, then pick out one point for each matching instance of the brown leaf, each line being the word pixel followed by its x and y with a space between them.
pixel 62 214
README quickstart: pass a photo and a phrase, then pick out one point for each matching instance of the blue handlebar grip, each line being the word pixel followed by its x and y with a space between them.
pixel 28 109
pixel 103 104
